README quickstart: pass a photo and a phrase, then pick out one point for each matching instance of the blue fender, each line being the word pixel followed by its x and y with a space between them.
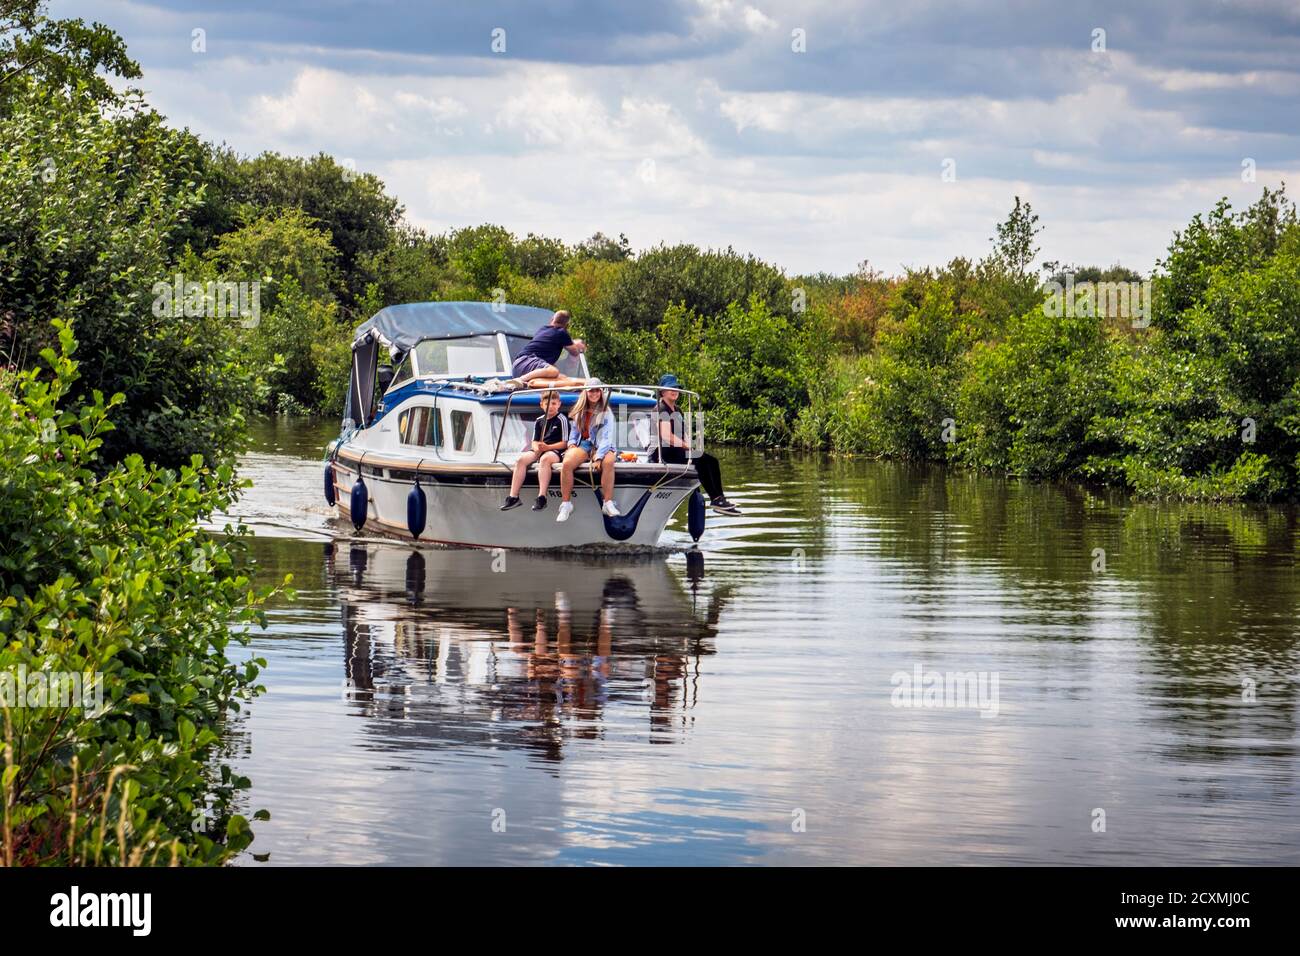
pixel 329 483
pixel 695 515
pixel 415 574
pixel 624 526
pixel 695 566
pixel 360 504
pixel 357 562
pixel 417 509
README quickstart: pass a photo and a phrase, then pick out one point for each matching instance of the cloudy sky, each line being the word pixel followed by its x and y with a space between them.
pixel 703 121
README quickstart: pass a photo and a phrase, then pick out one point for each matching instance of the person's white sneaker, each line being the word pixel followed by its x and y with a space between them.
pixel 566 509
pixel 610 509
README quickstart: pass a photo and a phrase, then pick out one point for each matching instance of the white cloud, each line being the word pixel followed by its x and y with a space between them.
pixel 1115 152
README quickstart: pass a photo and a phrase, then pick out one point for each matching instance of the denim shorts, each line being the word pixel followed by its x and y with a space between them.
pixel 587 445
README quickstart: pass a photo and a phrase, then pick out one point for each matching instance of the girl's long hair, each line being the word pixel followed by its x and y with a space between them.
pixel 597 410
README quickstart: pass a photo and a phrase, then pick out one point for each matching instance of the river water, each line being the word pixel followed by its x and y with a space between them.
pixel 876 664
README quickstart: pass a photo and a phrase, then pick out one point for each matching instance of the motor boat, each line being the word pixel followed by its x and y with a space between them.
pixel 430 438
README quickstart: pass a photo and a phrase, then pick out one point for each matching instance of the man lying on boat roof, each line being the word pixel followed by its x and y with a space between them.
pixel 535 365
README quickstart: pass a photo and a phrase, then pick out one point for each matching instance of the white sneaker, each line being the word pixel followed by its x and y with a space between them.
pixel 610 509
pixel 566 509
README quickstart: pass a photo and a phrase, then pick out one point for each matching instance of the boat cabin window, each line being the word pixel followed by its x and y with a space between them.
pixel 518 429
pixel 462 430
pixel 472 355
pixel 419 426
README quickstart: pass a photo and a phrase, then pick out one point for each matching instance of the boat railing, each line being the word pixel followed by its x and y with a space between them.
pixel 694 436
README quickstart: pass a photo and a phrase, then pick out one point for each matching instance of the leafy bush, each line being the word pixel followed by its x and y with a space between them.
pixel 90 203
pixel 1026 402
pixel 748 366
pixel 836 416
pixel 350 206
pixel 539 256
pixel 273 249
pixel 1205 402
pixel 604 249
pixel 922 345
pixel 107 572
pixel 290 343
pixel 409 269
pixel 706 283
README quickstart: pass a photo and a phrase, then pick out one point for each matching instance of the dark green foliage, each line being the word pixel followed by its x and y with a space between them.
pixel 605 249
pixel 706 283
pixel 1027 401
pixel 1204 402
pixel 539 257
pixel 104 571
pixel 749 365
pixel 90 205
pixel 1222 241
pixel 408 269
pixel 39 51
pixel 350 206
pixel 1056 272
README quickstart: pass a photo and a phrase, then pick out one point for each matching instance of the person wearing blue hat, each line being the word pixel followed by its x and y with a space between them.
pixel 675 450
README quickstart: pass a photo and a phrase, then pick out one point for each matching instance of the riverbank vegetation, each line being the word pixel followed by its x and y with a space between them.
pixel 108 584
pixel 117 611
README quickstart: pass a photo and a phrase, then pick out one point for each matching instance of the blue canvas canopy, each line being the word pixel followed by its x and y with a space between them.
pixel 401 327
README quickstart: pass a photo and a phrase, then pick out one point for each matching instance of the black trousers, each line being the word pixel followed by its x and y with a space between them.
pixel 706 466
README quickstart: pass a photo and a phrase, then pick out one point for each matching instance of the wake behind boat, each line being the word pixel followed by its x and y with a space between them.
pixel 428 450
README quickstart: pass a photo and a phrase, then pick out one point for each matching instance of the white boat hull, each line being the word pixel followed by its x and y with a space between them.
pixel 464 505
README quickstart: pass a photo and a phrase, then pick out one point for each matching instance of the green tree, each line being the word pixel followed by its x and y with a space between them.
pixel 1027 402
pixel 1206 399
pixel 90 204
pixel 1013 246
pixel 106 574
pixel 279 245
pixel 747 365
pixel 291 342
pixel 605 249
pixel 704 282
pixel 539 256
pixel 484 265
pixel 413 267
pixel 350 206
pixel 63 54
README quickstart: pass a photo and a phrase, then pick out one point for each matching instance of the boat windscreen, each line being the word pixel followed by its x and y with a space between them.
pixel 473 355
pixel 572 366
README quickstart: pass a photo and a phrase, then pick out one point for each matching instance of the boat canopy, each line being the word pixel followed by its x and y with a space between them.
pixel 401 327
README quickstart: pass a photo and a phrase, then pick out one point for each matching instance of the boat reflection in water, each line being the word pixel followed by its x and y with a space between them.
pixel 472 648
